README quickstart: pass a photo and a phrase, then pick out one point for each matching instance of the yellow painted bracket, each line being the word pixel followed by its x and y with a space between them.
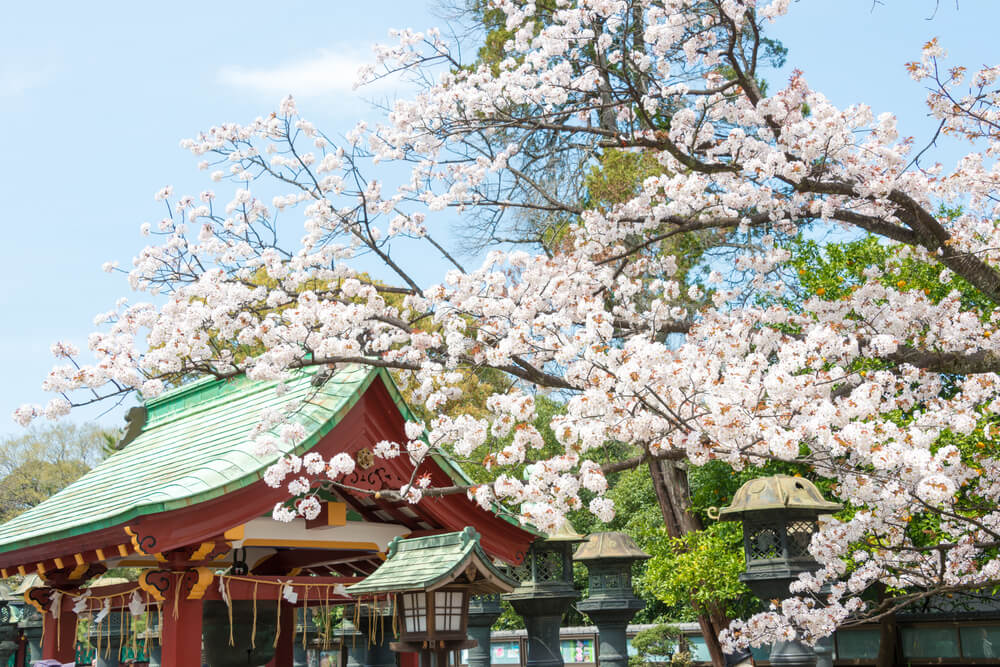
pixel 135 541
pixel 205 577
pixel 203 550
pixel 34 603
pixel 154 591
pixel 236 533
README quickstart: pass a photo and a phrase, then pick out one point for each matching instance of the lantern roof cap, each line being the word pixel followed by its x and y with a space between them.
pixel 431 562
pixel 609 545
pixel 777 492
pixel 566 533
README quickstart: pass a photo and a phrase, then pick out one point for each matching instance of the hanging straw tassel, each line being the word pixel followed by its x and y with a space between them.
pixel 121 628
pixel 100 636
pixel 107 647
pixel 58 616
pixel 328 621
pixel 357 622
pixel 395 617
pixel 177 598
pixel 253 632
pixel 229 607
pixel 381 626
pixel 277 632
pixel 305 619
pixel 76 628
pixel 135 631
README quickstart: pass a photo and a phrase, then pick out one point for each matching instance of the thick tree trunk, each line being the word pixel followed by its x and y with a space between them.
pixel 888 639
pixel 673 496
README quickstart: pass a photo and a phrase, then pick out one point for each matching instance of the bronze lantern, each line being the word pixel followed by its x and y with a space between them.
pixel 780 514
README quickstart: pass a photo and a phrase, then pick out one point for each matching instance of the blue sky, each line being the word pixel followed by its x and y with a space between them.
pixel 94 98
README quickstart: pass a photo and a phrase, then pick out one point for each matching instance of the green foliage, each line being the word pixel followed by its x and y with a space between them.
pixel 677 566
pixel 636 510
pixel 618 176
pixel 509 619
pixel 654 644
pixel 44 460
pixel 699 572
pixel 494 22
pixel 834 270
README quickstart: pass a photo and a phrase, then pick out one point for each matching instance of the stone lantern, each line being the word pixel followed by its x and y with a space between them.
pixel 8 632
pixel 611 603
pixel 544 593
pixel 780 514
pixel 484 610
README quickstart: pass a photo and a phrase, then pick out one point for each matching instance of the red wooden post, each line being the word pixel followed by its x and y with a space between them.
pixel 181 636
pixel 284 654
pixel 60 633
pixel 22 651
pixel 409 659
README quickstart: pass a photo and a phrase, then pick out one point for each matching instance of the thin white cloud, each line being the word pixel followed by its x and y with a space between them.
pixel 16 80
pixel 325 73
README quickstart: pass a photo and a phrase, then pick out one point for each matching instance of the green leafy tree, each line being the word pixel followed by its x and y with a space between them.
pixel 699 572
pixel 662 645
pixel 43 460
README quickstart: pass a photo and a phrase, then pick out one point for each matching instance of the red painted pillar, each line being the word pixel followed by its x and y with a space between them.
pixel 180 637
pixel 60 632
pixel 22 651
pixel 409 659
pixel 284 653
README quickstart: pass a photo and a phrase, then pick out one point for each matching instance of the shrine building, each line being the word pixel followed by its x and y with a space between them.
pixel 184 501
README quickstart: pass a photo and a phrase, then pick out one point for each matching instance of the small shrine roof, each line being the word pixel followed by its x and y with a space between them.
pixel 194 446
pixel 427 563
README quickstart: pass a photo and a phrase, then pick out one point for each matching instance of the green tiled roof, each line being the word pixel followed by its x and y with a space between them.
pixel 195 446
pixel 422 563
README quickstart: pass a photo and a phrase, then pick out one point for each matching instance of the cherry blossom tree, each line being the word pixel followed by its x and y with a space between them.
pixel 887 390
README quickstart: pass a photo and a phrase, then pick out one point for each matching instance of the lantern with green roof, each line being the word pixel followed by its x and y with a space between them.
pixel 431 579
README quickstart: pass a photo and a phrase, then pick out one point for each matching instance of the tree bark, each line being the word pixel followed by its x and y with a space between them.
pixel 888 639
pixel 673 495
